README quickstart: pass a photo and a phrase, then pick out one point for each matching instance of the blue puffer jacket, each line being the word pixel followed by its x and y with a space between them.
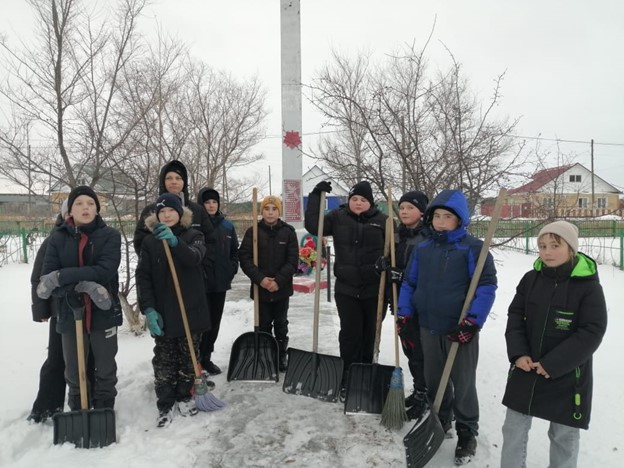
pixel 437 279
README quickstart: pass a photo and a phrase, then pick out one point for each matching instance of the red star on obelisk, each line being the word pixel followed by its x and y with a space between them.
pixel 292 139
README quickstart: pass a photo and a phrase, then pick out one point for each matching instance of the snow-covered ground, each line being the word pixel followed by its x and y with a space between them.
pixel 264 427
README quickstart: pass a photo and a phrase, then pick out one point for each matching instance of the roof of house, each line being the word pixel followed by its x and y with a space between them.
pixel 314 175
pixel 540 179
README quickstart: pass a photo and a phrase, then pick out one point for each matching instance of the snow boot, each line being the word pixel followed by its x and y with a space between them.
pixel 416 404
pixel 165 416
pixel 187 407
pixel 283 354
pixel 211 368
pixel 466 447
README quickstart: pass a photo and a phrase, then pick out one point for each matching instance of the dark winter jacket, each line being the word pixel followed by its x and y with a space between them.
pixel 438 276
pixel 42 309
pixel 155 286
pixel 221 271
pixel 200 219
pixel 404 240
pixel 278 257
pixel 557 317
pixel 101 250
pixel 358 243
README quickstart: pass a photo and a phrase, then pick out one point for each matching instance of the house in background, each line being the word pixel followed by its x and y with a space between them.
pixel 569 191
pixel 338 195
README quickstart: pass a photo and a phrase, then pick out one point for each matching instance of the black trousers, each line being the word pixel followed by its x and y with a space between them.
pixel 274 316
pixel 358 319
pixel 173 370
pixel 51 394
pixel 216 303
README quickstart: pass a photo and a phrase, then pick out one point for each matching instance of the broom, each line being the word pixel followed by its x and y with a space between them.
pixel 393 415
pixel 204 400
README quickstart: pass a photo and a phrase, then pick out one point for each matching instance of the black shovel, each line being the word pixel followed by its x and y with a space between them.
pixel 310 373
pixel 424 439
pixel 254 354
pixel 85 428
pixel 368 384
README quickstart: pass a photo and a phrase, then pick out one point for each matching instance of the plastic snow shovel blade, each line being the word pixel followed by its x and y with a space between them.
pixel 423 440
pixel 254 358
pixel 314 375
pixel 367 388
pixel 85 428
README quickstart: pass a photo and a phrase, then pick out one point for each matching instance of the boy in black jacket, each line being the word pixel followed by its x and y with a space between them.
pixel 278 256
pixel 158 300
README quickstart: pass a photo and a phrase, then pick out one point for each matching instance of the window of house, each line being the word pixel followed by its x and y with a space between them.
pixel 602 203
pixel 547 202
pixel 582 202
pixel 575 178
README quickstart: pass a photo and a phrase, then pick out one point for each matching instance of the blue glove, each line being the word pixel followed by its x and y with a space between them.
pixel 164 232
pixel 47 284
pixel 154 322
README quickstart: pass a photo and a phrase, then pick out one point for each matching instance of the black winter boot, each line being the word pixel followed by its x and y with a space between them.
pixel 466 446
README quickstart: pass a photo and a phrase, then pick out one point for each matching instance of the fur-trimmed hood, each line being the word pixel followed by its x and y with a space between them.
pixel 186 220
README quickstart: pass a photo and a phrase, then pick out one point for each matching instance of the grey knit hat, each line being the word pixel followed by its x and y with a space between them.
pixel 567 231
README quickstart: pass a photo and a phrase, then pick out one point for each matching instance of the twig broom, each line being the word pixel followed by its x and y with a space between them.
pixel 394 414
pixel 204 399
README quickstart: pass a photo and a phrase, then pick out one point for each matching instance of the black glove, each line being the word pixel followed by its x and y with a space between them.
pixel 382 264
pixel 323 186
pixel 395 274
pixel 464 332
pixel 76 304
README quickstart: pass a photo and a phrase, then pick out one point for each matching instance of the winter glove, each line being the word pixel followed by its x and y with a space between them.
pixel 164 232
pixel 47 284
pixel 464 332
pixel 323 186
pixel 76 304
pixel 407 331
pixel 154 322
pixel 395 274
pixel 382 264
pixel 98 293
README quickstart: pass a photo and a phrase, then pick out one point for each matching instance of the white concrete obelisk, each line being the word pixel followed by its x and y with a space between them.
pixel 290 22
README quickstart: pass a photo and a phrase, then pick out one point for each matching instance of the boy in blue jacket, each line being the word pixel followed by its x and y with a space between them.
pixel 434 288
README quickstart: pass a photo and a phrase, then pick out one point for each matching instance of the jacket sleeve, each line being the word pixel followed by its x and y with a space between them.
pixel 285 273
pixel 245 256
pixel 41 308
pixel 190 252
pixel 141 231
pixel 144 280
pixel 234 253
pixel 408 286
pixel 485 293
pixel 210 238
pixel 311 217
pixel 516 334
pixel 580 345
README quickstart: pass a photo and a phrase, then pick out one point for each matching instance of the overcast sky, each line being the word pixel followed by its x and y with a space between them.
pixel 564 59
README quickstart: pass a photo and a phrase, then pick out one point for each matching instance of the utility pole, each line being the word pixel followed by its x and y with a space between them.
pixel 592 179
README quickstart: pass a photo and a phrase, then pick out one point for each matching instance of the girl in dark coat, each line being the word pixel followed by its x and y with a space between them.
pixel 278 256
pixel 556 322
pixel 80 268
pixel 358 230
pixel 219 274
pixel 158 300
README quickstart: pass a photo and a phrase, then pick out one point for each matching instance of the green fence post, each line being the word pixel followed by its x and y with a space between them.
pixel 622 249
pixel 526 237
pixel 24 246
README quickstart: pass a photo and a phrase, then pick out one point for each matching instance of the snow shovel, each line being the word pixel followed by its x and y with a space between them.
pixel 254 354
pixel 310 373
pixel 424 439
pixel 86 428
pixel 368 384
pixel 204 400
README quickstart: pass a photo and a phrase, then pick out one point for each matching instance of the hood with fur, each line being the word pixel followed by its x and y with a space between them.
pixel 186 220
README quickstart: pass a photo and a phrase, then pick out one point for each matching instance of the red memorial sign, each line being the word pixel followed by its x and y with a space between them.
pixel 293 202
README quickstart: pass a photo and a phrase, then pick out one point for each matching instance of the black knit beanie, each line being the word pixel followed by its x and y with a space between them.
pixel 363 189
pixel 82 190
pixel 169 200
pixel 416 198
pixel 210 194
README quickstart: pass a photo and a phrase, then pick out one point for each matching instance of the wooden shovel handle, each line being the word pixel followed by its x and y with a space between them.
pixel 254 243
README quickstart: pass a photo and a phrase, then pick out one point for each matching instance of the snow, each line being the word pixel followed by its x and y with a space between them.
pixel 264 427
